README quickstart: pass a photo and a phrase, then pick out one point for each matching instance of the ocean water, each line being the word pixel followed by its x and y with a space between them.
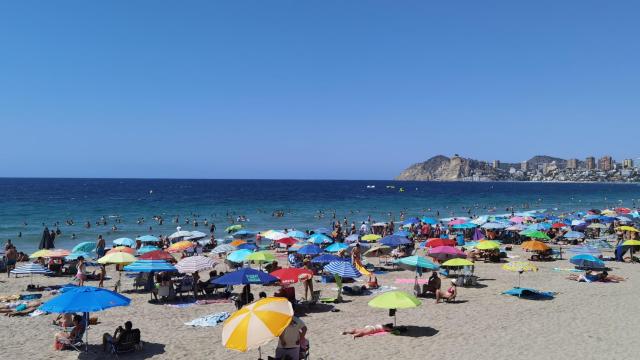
pixel 26 205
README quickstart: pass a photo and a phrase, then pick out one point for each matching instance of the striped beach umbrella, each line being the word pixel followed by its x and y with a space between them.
pixel 30 269
pixel 145 266
pixel 343 269
pixel 224 248
pixel 194 264
pixel 256 324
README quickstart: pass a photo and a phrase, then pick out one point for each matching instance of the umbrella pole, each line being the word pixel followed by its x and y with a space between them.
pixel 259 353
pixel 86 331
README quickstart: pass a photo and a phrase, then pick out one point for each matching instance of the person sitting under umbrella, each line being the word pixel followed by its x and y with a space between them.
pixel 108 340
pixel 433 284
pixel 62 338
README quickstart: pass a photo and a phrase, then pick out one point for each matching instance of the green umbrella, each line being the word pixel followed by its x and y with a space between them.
pixel 261 257
pixel 84 247
pixel 233 228
pixel 537 235
pixel 395 300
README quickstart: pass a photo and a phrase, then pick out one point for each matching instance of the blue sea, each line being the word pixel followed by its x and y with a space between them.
pixel 27 205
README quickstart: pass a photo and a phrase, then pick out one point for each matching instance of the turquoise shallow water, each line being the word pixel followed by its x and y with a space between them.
pixel 47 201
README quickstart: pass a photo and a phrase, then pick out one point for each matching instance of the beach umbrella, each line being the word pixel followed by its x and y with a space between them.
pixel 627 228
pixel 322 230
pixel 573 235
pixel 519 267
pixel 599 244
pixel 243 234
pixel 446 252
pixel 147 238
pixel 456 221
pixel 371 237
pixel 343 269
pixel 395 300
pixel 464 226
pixel 256 324
pixel 75 255
pixel 377 251
pixel 292 275
pixel 327 258
pixel 394 241
pixel 493 226
pixel 430 221
pixel 123 249
pixel 457 262
pixel 559 225
pixel 320 239
pixel 310 250
pixel 118 258
pixel 587 261
pixel 147 248
pixel 247 246
pixel 624 219
pixel 179 234
pixel 577 223
pixel 536 235
pixel 30 269
pixel 597 226
pixel 287 241
pixel 43 253
pixel 276 235
pixel 297 234
pixel 631 243
pixel 196 235
pixel 516 227
pixel 237 243
pixel 260 257
pixel 534 245
pixel 411 221
pixel 180 246
pixel 84 299
pixel 157 255
pixel 336 247
pixel 224 248
pixel 245 276
pixel 192 264
pixel 517 219
pixel 435 242
pixel 487 245
pixel 124 242
pixel 416 263
pixel 147 266
pixel 233 228
pixel 402 233
pixel 84 247
pixel 238 256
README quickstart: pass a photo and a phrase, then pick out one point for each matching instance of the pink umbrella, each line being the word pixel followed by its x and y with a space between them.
pixel 457 222
pixel 446 253
pixel 517 219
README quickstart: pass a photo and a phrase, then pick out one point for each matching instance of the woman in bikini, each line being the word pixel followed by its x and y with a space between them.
pixel 369 330
pixel 449 294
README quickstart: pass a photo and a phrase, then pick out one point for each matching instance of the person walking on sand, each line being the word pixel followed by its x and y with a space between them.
pixel 80 275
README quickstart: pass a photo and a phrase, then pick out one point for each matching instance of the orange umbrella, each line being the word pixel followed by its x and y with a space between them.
pixel 123 249
pixel 180 246
pixel 59 253
pixel 235 243
pixel 534 245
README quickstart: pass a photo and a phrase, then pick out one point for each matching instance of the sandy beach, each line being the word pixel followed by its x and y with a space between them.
pixel 593 320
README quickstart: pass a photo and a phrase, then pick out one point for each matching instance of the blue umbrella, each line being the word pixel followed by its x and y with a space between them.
pixel 343 269
pixel 352 238
pixel 411 221
pixel 402 233
pixel 147 248
pixel 244 233
pixel 125 242
pixel 310 250
pixel 84 299
pixel 75 255
pixel 573 235
pixel 238 256
pixel 494 225
pixel 430 221
pixel 147 266
pixel 322 230
pixel 587 261
pixel 245 276
pixel 394 241
pixel 327 258
pixel 147 238
pixel 297 234
pixel 247 246
pixel 320 239
pixel 464 226
pixel 84 247
pixel 335 247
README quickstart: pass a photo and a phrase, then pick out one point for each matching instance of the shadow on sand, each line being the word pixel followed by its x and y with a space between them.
pixel 149 350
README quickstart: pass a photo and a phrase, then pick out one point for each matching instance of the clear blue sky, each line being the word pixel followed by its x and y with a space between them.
pixel 311 89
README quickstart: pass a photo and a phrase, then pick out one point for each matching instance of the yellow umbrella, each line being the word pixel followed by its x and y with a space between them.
pixel 118 258
pixel 608 212
pixel 519 267
pixel 40 254
pixel 631 243
pixel 627 228
pixel 180 246
pixel 371 238
pixel 256 324
pixel 488 245
pixel 457 262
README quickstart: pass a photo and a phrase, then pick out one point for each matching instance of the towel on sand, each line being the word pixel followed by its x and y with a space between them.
pixel 411 281
pixel 180 306
pixel 209 320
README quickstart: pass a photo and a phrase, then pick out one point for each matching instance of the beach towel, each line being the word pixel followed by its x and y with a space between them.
pixel 566 270
pixel 180 306
pixel 362 269
pixel 209 320
pixel 214 301
pixel 411 281
pixel 531 294
pixel 37 312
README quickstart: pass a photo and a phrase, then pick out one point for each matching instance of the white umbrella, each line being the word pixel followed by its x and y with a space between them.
pixel 224 248
pixel 194 264
pixel 179 234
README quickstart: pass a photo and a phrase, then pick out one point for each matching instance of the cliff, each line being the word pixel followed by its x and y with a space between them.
pixel 442 168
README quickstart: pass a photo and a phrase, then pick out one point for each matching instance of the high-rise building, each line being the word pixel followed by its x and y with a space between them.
pixel 496 164
pixel 605 163
pixel 524 166
pixel 590 163
pixel 572 164
pixel 627 163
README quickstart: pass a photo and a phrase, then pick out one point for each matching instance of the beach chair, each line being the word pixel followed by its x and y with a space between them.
pixel 128 342
pixel 165 292
pixel 186 285
pixel 141 280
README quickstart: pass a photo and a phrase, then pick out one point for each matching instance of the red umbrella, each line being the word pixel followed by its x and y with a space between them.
pixel 156 255
pixel 291 275
pixel 435 242
pixel 623 210
pixel 559 225
pixel 288 241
